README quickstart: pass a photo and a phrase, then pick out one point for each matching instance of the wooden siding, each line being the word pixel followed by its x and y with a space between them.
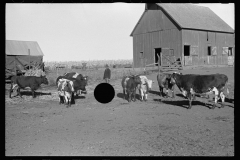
pixel 200 40
pixel 154 20
pixel 168 39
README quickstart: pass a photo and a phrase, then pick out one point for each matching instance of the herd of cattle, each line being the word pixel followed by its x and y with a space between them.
pixel 189 84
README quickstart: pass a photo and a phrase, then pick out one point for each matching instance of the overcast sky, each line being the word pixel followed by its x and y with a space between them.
pixel 75 32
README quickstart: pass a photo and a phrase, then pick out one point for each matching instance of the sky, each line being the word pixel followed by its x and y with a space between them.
pixel 76 32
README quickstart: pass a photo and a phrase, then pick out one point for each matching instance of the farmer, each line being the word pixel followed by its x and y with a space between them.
pixel 107 74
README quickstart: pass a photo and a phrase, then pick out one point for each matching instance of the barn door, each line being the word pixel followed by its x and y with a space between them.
pixel 165 54
pixel 187 56
pixel 212 55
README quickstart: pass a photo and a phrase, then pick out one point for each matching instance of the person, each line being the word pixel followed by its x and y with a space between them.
pixel 107 74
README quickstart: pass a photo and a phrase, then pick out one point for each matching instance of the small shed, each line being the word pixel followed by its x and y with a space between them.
pixel 192 34
pixel 20 55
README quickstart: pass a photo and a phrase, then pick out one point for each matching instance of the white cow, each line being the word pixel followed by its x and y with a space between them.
pixel 65 90
pixel 144 87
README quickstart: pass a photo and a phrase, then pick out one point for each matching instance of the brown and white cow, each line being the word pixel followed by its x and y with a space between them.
pixel 192 84
pixel 65 91
pixel 129 84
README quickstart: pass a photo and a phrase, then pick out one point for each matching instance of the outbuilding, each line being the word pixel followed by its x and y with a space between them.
pixel 191 34
pixel 20 55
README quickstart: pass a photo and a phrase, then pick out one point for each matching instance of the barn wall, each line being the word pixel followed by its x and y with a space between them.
pixel 146 43
pixel 154 20
pixel 200 40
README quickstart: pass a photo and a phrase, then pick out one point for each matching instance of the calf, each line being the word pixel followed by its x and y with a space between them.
pixel 144 87
pixel 165 81
pixel 27 81
pixel 192 84
pixel 129 84
pixel 65 91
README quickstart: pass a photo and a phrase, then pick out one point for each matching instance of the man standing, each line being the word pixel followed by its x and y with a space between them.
pixel 107 74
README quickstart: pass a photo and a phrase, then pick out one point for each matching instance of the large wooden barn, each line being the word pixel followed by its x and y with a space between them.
pixel 191 34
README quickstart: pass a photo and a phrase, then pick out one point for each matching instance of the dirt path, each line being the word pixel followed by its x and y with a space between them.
pixel 158 127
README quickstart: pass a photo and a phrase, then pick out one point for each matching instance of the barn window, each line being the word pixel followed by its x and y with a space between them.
pixel 194 50
pixel 141 55
pixel 209 51
pixel 225 50
pixel 186 50
pixel 214 51
pixel 230 51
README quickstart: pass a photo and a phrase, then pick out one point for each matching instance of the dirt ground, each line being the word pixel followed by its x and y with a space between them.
pixel 158 127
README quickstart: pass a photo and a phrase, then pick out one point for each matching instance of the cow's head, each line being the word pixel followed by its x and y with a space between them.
pixel 137 79
pixel 150 82
pixel 44 80
pixel 80 85
pixel 68 86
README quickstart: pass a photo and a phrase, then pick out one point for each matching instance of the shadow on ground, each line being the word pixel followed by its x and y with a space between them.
pixel 183 103
pixel 158 93
pixel 29 93
pixel 120 95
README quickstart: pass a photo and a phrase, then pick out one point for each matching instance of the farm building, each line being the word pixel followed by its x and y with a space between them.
pixel 191 34
pixel 20 54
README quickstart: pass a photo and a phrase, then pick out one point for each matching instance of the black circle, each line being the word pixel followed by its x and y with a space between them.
pixel 104 93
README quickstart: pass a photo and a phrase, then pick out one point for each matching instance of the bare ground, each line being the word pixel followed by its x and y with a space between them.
pixel 160 126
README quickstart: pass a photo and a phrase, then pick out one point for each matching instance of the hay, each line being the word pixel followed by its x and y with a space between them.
pixel 35 72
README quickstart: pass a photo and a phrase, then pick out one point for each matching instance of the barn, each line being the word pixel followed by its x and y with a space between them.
pixel 186 33
pixel 19 54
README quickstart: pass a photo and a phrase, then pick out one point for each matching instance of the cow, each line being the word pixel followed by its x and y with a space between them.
pixel 129 84
pixel 192 84
pixel 144 87
pixel 76 76
pixel 65 91
pixel 166 81
pixel 27 81
pixel 79 85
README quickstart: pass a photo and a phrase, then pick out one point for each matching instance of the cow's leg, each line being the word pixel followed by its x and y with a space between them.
pixel 146 96
pixel 173 95
pixel 33 95
pixel 70 99
pixel 59 100
pixel 10 91
pixel 160 89
pixel 18 92
pixel 216 97
pixel 134 95
pixel 73 99
pixel 141 94
pixel 66 100
pixel 129 96
pixel 223 99
pixel 124 97
pixel 190 100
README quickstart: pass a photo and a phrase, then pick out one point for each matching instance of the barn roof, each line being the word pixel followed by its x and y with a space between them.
pixel 195 17
pixel 14 47
pixel 189 16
